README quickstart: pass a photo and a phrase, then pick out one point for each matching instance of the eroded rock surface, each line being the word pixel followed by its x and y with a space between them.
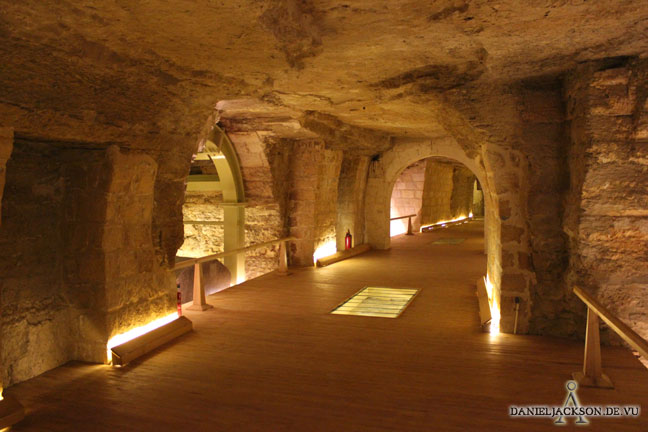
pixel 324 102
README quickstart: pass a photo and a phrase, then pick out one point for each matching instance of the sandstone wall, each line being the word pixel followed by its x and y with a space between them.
pixel 462 192
pixel 264 167
pixel 202 239
pixel 606 216
pixel 407 197
pixel 437 192
pixel 137 289
pixel 83 265
pixel 384 172
pixel 313 200
pixel 263 223
pixel 478 201
pixel 447 193
pixel 6 146
pixel 351 196
pixel 543 142
pixel 36 322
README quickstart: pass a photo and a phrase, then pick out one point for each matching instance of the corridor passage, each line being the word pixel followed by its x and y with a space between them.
pixel 270 357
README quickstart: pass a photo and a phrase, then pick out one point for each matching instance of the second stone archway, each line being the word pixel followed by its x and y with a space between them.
pixel 384 171
pixel 219 150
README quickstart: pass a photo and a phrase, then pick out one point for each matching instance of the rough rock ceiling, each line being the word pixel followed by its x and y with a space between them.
pixel 129 68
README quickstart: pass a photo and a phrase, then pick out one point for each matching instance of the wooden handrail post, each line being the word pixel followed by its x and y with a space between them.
pixel 199 302
pixel 592 374
pixel 409 226
pixel 283 259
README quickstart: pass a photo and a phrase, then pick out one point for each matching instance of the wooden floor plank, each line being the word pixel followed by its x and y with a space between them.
pixel 271 357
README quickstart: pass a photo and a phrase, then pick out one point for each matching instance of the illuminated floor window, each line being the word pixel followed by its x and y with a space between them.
pixel 377 302
pixel 448 241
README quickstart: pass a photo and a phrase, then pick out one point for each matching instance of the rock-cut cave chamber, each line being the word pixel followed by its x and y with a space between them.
pixel 136 136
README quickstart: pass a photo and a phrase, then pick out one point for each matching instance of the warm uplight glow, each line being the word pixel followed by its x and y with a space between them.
pixel 446 222
pixel 494 307
pixel 138 331
pixel 470 215
pixel 1 390
pixel 240 278
pixel 397 227
pixel 495 318
pixel 324 250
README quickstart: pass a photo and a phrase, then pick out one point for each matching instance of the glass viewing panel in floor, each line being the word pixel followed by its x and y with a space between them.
pixel 448 241
pixel 377 302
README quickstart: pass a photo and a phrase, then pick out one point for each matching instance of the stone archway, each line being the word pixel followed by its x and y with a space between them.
pixel 383 173
pixel 219 172
pixel 247 206
pixel 434 190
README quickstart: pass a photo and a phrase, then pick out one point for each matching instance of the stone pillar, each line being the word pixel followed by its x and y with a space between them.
pixel 377 211
pixel 462 192
pixel 437 192
pixel 508 235
pixel 6 146
pixel 138 290
pixel 477 201
pixel 351 191
pixel 11 411
pixel 313 205
pixel 118 279
pixel 234 238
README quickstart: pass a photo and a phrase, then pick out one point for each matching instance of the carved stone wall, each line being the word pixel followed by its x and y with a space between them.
pixel 606 216
pixel 407 198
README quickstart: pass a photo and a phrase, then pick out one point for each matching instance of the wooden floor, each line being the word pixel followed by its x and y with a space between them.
pixel 270 357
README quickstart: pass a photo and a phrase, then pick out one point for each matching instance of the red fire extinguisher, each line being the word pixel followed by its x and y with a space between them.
pixel 179 296
pixel 347 240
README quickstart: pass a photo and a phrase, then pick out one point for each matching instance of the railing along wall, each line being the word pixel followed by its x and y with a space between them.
pixel 409 222
pixel 199 303
pixel 592 374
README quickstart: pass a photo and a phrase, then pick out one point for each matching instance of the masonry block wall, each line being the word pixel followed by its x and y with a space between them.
pixel 264 169
pixel 462 192
pixel 351 199
pixel 85 268
pixel 202 239
pixel 606 216
pixel 543 260
pixel 6 146
pixel 478 201
pixel 313 199
pixel 36 322
pixel 407 197
pixel 437 192
pixel 137 289
pixel 433 189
